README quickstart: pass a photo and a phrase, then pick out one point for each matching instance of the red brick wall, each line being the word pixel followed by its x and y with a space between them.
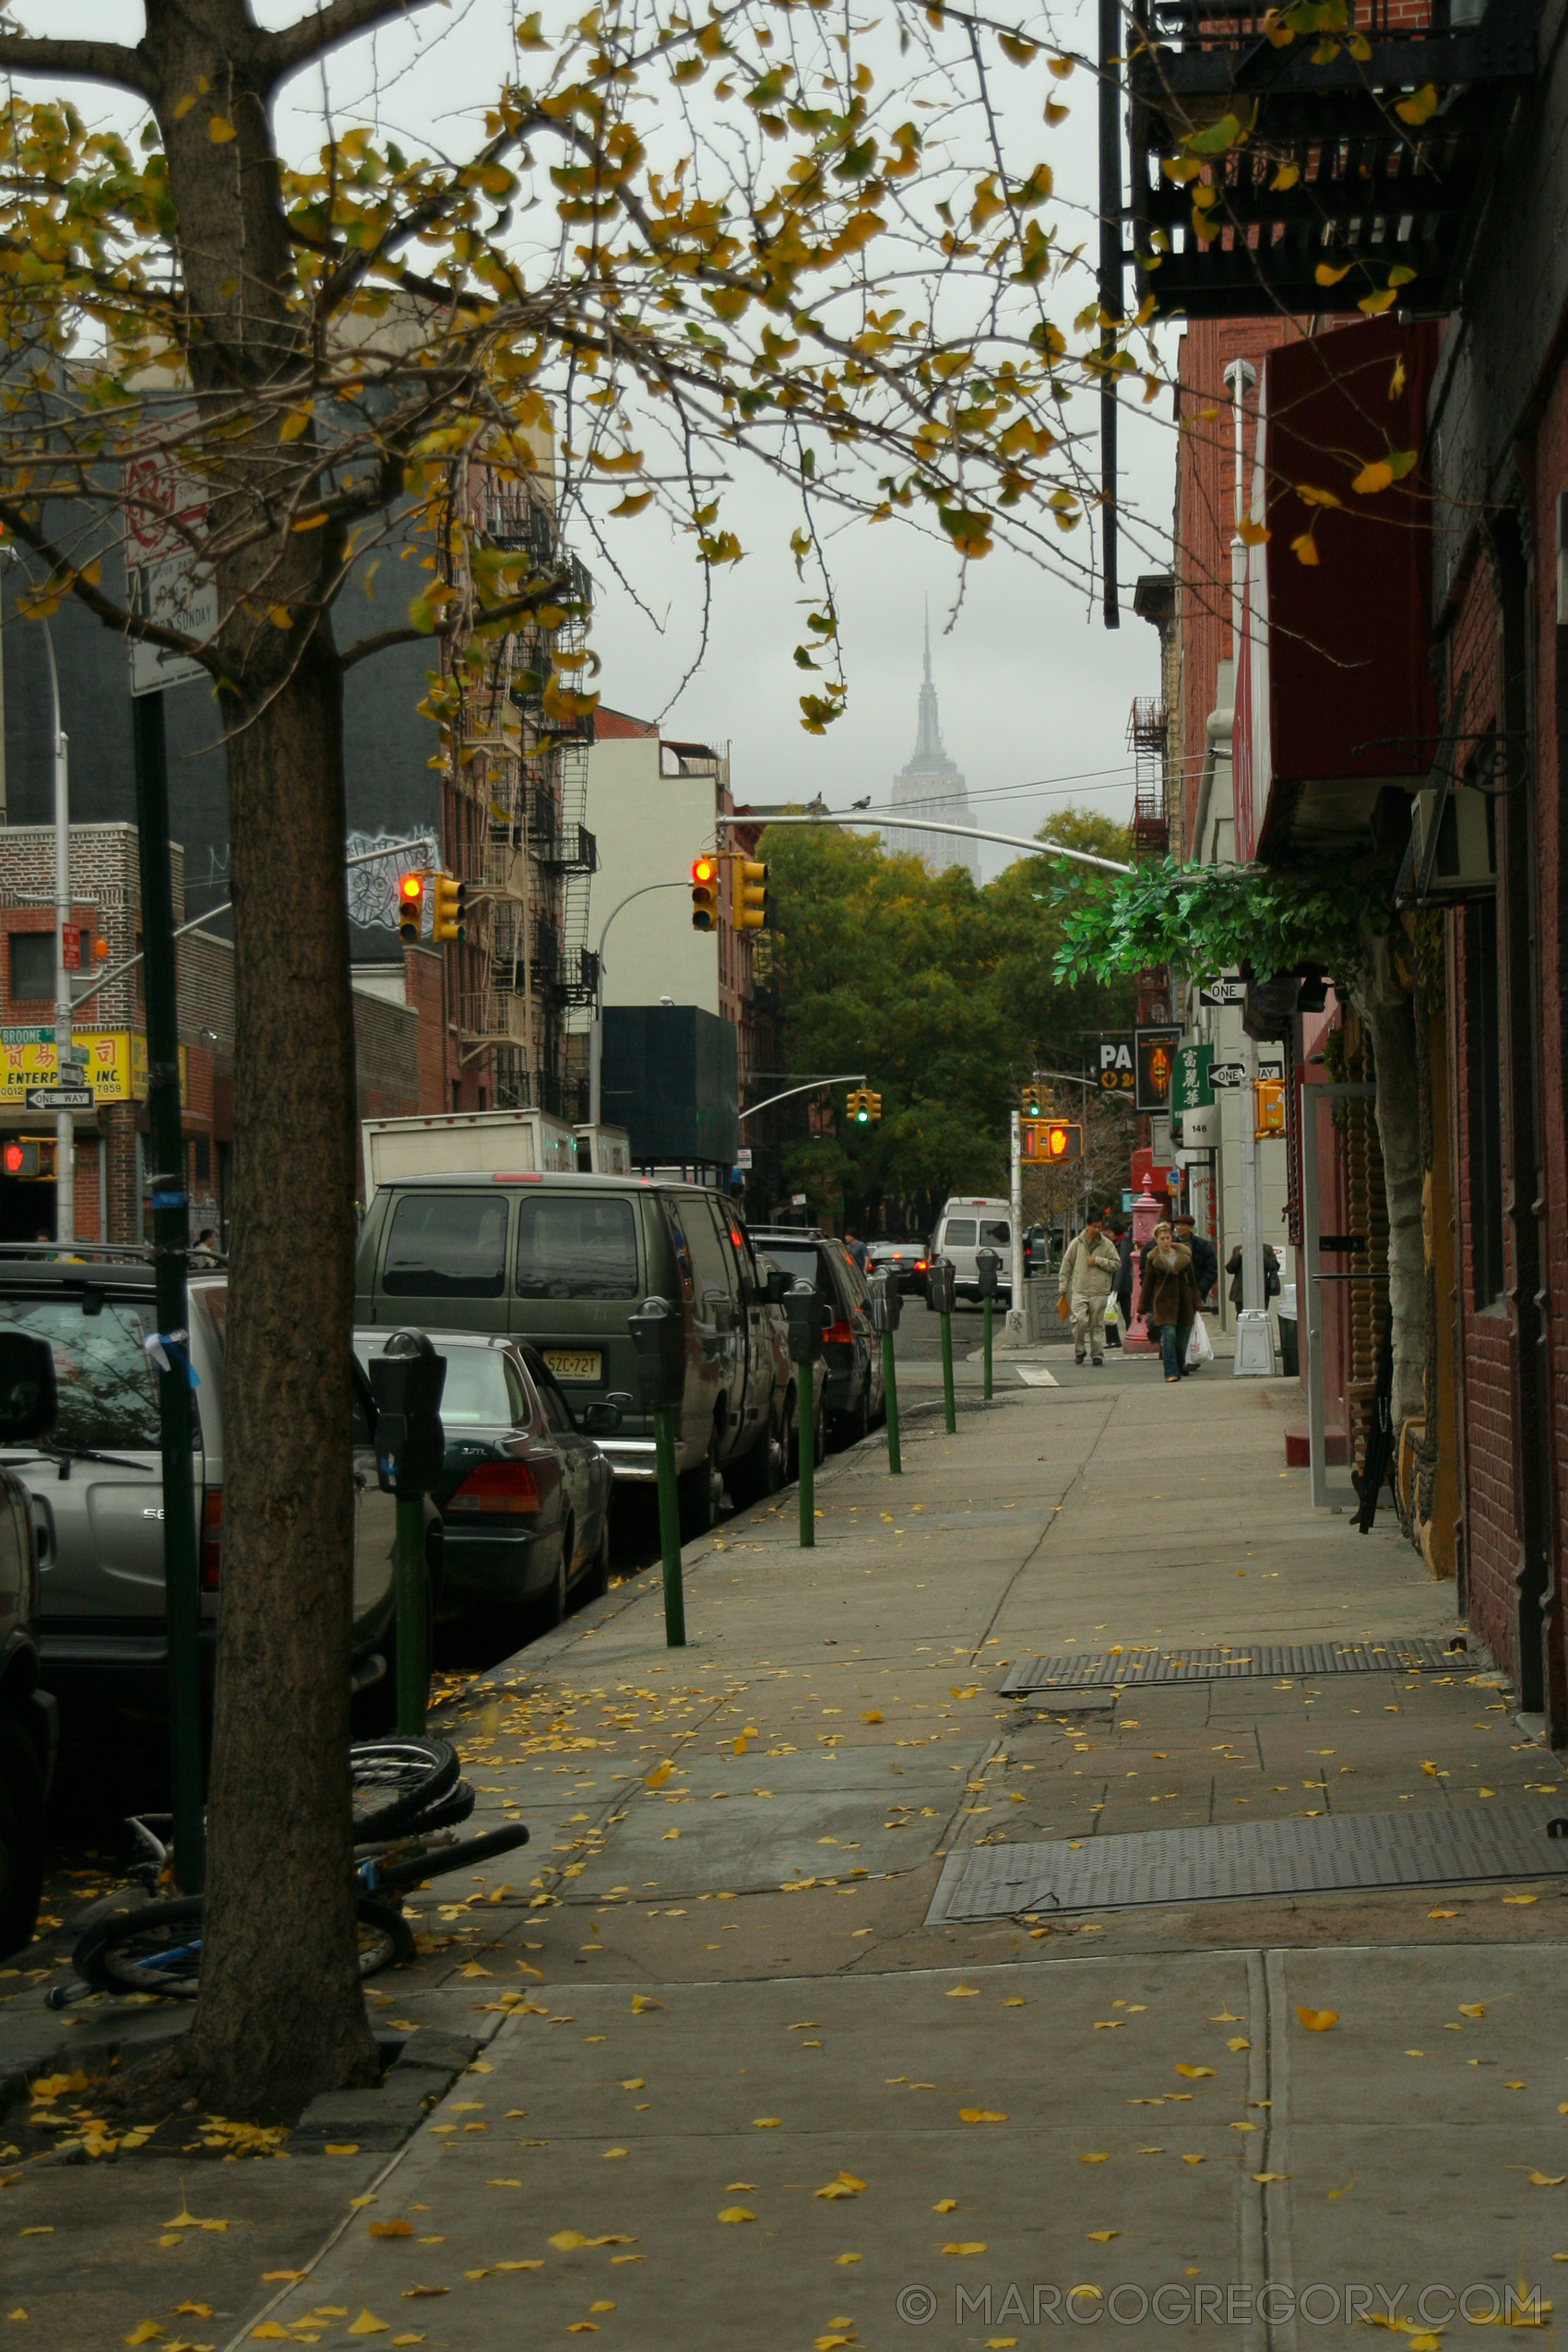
pixel 422 989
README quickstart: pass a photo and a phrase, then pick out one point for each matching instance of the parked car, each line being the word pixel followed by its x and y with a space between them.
pixel 95 1482
pixel 850 1348
pixel 562 1262
pixel 966 1224
pixel 524 1493
pixel 29 1716
pixel 907 1261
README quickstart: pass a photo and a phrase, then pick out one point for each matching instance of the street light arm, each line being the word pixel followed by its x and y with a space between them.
pixel 844 1077
pixel 627 902
pixel 910 821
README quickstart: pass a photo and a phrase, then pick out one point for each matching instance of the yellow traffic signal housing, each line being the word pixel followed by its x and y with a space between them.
pixel 705 894
pixel 855 1103
pixel 411 908
pixel 1050 1140
pixel 1268 1095
pixel 449 909
pixel 1030 1094
pixel 751 895
pixel 873 1103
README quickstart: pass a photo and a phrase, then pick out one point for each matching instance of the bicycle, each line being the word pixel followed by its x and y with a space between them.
pixel 408 1797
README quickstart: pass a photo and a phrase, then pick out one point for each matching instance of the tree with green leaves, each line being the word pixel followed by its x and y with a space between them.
pixel 680 240
pixel 942 993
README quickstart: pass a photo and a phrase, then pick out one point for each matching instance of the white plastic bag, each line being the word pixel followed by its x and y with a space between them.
pixel 1200 1347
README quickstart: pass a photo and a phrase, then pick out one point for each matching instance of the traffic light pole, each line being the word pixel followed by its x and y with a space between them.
pixel 171 1241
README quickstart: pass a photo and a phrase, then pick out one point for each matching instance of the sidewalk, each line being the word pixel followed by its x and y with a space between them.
pixel 744 2087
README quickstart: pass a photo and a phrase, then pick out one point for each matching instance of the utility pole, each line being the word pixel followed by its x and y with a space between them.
pixel 64 1063
pixel 1255 1340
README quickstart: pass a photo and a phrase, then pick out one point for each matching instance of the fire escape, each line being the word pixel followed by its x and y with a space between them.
pixel 1146 741
pixel 533 979
pixel 1327 156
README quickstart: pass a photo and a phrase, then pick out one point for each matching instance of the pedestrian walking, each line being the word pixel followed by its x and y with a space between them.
pixel 1169 1299
pixel 206 1256
pixel 1205 1262
pixel 1090 1264
pixel 1117 1315
pixel 856 1250
pixel 1270 1275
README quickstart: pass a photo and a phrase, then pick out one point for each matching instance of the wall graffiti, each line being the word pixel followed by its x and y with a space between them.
pixel 373 887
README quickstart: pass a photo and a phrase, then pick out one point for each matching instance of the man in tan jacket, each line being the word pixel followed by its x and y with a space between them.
pixel 1090 1264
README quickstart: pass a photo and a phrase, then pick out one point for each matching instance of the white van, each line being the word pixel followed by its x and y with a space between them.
pixel 968 1224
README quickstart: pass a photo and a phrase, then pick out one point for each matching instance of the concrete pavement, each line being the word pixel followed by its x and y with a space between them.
pixel 712 1990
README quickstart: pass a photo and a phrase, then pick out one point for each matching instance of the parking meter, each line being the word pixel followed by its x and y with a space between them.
pixel 988 1265
pixel 407 1380
pixel 660 1342
pixel 940 1280
pixel 885 1308
pixel 659 1339
pixel 802 1308
pixel 886 1304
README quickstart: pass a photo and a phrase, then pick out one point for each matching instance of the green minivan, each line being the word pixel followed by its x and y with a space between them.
pixel 562 1261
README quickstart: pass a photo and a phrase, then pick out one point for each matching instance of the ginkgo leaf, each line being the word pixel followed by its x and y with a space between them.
pixel 1318 2021
pixel 1099 2158
pixel 1471 2009
pixel 219 130
pixel 1375 304
pixel 967 2246
pixel 1304 548
pixel 1192 2159
pixel 759 2123
pixel 981 2115
pixel 391 2229
pixel 270 2333
pixel 1251 533
pixel 144 2332
pixel 1419 108
pixel 738 2213
pixel 945 2205
pixel 1397 386
pixel 1104 2236
pixel 1264 2178
pixel 963 1992
pixel 1512 1898
pixel 1545 2179
pixel 1237 2041
pixel 1373 478
pixel 632 503
pixel 1327 274
pixel 658 1775
pixel 1286 177
pixel 1194 2073
pixel 367 2323
pixel 845 2185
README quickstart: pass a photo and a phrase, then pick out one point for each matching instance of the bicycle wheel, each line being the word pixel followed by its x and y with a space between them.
pixel 156 1948
pixel 443 1858
pixel 385 1935
pixel 446 1811
pixel 396 1780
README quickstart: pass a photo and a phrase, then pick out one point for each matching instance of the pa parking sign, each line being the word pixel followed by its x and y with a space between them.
pixel 1114 1066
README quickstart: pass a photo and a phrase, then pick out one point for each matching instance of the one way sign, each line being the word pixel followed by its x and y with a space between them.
pixel 1228 1074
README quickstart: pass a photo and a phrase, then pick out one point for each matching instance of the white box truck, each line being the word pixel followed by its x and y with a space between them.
pixel 456 1143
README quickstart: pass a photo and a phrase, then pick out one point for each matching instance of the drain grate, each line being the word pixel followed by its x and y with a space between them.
pixel 1236 1659
pixel 1440 1847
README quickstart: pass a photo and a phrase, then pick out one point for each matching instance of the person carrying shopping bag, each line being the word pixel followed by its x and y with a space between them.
pixel 1090 1264
pixel 1169 1299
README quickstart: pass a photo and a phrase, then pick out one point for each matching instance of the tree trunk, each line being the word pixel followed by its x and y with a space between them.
pixel 281 2013
pixel 1386 1010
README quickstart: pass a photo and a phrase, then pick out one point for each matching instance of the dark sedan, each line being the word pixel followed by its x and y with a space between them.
pixel 525 1490
pixel 851 1351
pixel 905 1261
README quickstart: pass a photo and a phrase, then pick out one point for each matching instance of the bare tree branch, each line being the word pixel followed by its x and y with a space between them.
pixel 91 61
pixel 325 28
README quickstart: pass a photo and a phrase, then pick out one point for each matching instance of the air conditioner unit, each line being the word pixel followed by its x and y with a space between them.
pixel 1462 863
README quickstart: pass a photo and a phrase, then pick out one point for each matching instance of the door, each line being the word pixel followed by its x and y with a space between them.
pixel 577 1457
pixel 717 1309
pixel 443 1260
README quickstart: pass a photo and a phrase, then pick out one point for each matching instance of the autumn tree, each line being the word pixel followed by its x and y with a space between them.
pixel 684 237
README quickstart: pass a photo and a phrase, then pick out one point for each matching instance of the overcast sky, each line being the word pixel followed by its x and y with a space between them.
pixel 1034 693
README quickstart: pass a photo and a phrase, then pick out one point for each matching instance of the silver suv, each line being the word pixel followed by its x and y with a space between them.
pixel 96 1482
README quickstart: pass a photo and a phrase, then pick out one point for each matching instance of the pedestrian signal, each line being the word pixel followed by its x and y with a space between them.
pixel 30 1159
pixel 1050 1140
pixel 705 894
pixel 1269 1107
pixel 411 908
pixel 751 898
pixel 448 912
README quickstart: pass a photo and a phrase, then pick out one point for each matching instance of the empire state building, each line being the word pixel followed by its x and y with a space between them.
pixel 931 786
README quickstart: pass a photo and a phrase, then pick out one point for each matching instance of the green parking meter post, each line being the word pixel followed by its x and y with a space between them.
pixel 658 1336
pixel 669 1527
pixel 407 1380
pixel 949 1413
pixel 885 1306
pixel 804 1311
pixel 940 1278
pixel 413 1661
pixel 171 1242
pixel 988 1266
pixel 987 1389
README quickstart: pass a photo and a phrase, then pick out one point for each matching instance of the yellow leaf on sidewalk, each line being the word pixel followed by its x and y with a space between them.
pixel 1318 2021
pixel 367 2323
pixel 738 2212
pixel 143 2333
pixel 969 2246
pixel 1195 2074
pixel 391 2229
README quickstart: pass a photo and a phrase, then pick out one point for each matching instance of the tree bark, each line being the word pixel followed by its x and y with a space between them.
pixel 1386 1007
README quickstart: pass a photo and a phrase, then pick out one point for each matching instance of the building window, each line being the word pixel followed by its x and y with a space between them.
pixel 1484 1090
pixel 32 966
pixel 203 1159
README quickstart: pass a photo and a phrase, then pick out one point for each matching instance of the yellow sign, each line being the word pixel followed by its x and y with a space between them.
pixel 115 1068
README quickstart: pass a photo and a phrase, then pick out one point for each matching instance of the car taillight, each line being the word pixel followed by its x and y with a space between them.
pixel 211 1537
pixel 839 1334
pixel 919 1266
pixel 506 1487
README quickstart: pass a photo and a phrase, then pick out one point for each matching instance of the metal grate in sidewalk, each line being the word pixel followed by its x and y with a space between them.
pixel 1236 1659
pixel 1437 1846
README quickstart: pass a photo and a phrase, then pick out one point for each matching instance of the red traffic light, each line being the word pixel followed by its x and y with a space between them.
pixel 1056 1140
pixel 703 869
pixel 13 1157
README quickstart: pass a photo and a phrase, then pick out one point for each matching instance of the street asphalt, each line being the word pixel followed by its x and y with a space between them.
pixel 735 2091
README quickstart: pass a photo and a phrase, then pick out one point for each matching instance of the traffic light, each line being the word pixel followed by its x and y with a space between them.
pixel 1030 1094
pixel 862 1105
pixel 874 1103
pixel 29 1157
pixel 448 912
pixel 1064 1140
pixel 705 894
pixel 751 895
pixel 411 908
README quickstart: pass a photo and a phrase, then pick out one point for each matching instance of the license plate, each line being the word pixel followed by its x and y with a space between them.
pixel 572 1363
